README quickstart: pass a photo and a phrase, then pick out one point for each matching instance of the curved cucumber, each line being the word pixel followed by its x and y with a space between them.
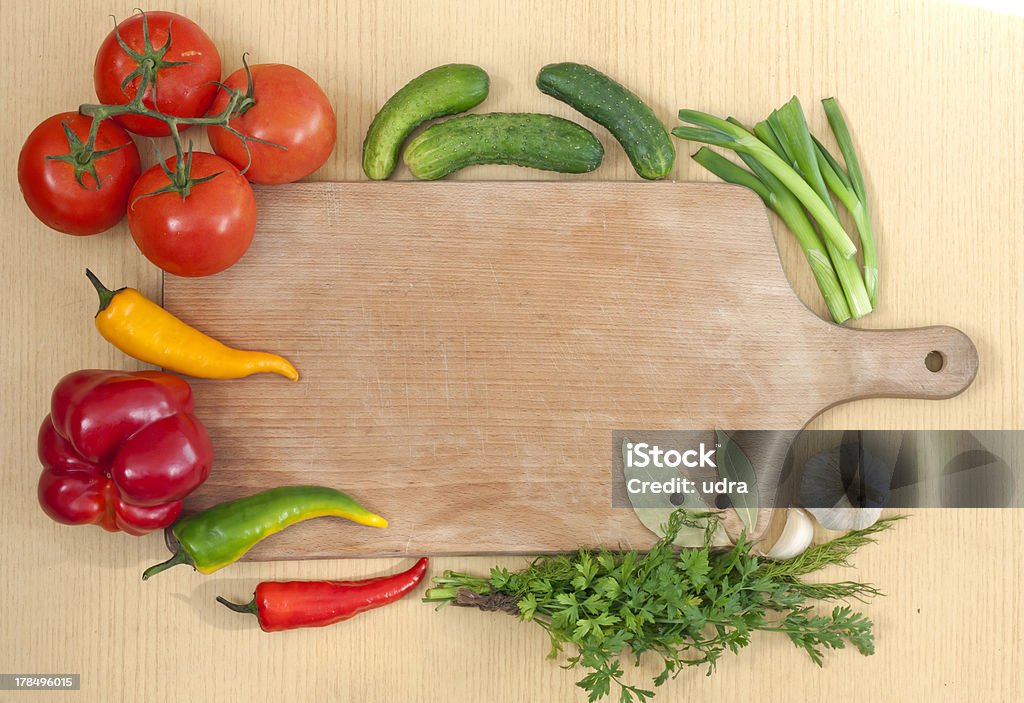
pixel 521 139
pixel 629 119
pixel 445 90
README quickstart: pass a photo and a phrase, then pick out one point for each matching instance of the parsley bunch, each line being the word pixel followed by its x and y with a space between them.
pixel 687 606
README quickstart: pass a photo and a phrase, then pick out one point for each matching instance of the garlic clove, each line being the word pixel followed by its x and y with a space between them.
pixel 844 516
pixel 845 487
pixel 796 536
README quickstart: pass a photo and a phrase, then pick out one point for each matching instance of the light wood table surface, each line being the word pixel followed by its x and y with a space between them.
pixel 934 92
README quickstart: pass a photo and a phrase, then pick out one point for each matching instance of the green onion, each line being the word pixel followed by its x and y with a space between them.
pixel 764 132
pixel 839 183
pixel 785 132
pixel 795 176
pixel 787 207
pixel 859 212
pixel 738 139
pixel 790 126
pixel 830 163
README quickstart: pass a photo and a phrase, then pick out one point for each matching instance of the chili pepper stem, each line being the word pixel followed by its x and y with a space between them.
pixel 106 295
pixel 249 607
pixel 178 557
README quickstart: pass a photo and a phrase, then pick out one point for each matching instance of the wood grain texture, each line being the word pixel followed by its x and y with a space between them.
pixel 934 93
pixel 466 350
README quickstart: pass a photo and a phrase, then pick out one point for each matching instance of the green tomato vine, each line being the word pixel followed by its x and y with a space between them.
pixel 149 62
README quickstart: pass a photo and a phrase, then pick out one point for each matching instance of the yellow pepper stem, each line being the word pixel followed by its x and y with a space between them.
pixel 106 295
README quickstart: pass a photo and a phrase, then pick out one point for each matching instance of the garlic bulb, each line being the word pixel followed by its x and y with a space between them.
pixel 796 536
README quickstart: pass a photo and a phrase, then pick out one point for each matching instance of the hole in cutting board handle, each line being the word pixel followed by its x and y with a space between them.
pixel 934 361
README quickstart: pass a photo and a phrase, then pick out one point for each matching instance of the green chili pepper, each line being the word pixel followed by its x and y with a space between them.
pixel 214 538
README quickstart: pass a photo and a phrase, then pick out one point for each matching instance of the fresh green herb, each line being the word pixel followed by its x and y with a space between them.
pixel 686 606
pixel 792 172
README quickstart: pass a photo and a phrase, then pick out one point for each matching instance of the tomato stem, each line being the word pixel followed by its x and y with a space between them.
pixel 82 157
pixel 149 62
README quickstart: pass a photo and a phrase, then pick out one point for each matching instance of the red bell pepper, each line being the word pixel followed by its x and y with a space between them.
pixel 121 450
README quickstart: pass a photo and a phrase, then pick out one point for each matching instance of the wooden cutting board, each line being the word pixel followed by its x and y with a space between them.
pixel 466 350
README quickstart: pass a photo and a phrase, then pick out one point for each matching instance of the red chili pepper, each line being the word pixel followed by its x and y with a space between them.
pixel 120 450
pixel 286 605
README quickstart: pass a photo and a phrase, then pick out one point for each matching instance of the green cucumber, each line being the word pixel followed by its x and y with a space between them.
pixel 445 90
pixel 521 139
pixel 630 120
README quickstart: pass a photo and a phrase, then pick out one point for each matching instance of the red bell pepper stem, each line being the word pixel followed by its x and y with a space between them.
pixel 286 605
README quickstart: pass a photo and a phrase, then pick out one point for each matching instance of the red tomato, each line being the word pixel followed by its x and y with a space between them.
pixel 50 188
pixel 206 232
pixel 290 110
pixel 185 90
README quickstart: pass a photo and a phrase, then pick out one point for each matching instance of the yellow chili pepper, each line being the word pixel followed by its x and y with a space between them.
pixel 144 330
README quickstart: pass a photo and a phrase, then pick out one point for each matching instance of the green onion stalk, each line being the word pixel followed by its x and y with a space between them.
pixel 792 173
pixel 855 198
pixel 787 207
pixel 785 131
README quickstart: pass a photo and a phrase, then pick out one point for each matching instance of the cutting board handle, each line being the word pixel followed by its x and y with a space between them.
pixel 927 362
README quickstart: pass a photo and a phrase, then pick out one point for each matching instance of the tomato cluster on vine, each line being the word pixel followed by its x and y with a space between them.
pixel 193 213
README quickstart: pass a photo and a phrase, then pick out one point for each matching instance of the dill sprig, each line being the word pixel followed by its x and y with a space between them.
pixel 687 607
pixel 834 552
